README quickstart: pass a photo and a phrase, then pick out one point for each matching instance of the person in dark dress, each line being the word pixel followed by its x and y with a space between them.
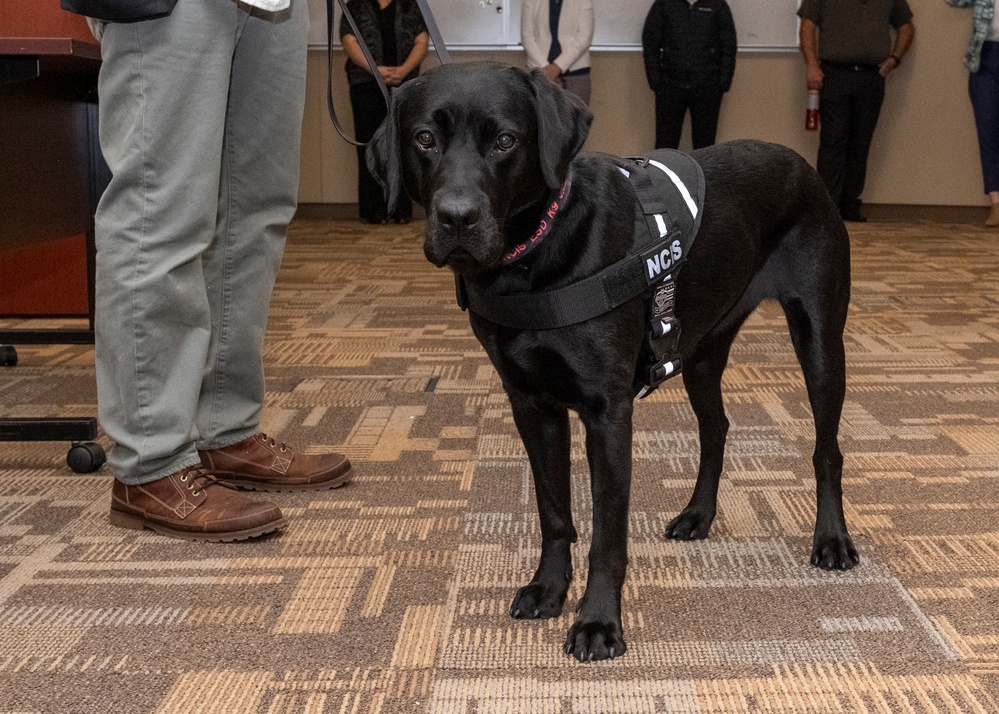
pixel 397 37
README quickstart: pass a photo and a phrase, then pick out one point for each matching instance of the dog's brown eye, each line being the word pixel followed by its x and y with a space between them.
pixel 425 139
pixel 505 142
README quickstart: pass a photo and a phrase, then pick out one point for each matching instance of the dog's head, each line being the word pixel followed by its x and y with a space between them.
pixel 474 144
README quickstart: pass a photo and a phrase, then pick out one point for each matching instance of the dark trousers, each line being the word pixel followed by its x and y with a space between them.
pixel 671 108
pixel 983 86
pixel 849 105
pixel 369 112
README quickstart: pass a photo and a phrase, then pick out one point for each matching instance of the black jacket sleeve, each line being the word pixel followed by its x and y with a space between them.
pixel 727 45
pixel 652 45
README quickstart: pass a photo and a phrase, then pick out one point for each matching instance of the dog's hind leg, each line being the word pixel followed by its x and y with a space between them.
pixel 817 334
pixel 545 432
pixel 702 376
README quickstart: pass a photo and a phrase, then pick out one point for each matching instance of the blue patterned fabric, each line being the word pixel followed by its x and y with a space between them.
pixel 984 11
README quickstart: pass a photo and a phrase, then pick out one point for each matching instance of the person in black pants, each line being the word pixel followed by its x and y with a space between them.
pixel 398 39
pixel 689 51
pixel 849 67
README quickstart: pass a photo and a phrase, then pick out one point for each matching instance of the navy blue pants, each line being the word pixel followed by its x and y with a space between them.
pixel 983 87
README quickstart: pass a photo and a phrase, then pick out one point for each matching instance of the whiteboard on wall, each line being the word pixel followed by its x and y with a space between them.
pixel 762 25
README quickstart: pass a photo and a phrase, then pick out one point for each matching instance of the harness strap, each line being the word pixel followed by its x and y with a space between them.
pixel 572 304
pixel 435 34
pixel 651 200
pixel 671 206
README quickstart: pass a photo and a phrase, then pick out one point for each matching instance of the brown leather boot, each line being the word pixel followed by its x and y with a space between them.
pixel 194 505
pixel 262 464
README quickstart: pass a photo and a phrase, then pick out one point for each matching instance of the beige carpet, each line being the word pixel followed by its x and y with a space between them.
pixel 391 595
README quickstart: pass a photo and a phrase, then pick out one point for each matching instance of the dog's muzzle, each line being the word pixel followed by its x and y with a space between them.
pixel 458 215
pixel 460 231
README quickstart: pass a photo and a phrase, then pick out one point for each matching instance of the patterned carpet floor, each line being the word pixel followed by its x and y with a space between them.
pixel 391 595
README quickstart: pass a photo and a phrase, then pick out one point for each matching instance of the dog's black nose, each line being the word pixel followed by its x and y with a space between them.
pixel 457 213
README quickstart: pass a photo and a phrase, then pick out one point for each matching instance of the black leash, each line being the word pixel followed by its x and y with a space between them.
pixel 432 29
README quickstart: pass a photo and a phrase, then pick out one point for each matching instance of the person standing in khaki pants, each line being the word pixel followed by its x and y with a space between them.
pixel 200 123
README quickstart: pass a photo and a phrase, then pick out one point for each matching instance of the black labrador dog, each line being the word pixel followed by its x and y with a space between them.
pixel 484 147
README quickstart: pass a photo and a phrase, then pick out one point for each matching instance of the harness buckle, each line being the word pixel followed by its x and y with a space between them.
pixel 662 342
pixel 663 370
pixel 656 374
pixel 665 326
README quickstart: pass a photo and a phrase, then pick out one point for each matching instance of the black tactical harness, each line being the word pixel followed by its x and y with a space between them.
pixel 669 187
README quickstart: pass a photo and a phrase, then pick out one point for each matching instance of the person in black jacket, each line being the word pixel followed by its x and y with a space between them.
pixel 689 50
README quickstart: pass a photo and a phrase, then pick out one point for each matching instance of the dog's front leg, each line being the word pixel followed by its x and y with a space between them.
pixel 597 634
pixel 544 430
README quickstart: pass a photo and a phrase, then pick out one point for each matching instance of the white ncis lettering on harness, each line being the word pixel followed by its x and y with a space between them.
pixel 664 260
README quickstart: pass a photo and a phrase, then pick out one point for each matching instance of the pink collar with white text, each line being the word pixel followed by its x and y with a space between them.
pixel 547 221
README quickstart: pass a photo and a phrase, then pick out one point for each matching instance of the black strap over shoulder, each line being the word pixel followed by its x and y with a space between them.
pixel 662 344
pixel 669 187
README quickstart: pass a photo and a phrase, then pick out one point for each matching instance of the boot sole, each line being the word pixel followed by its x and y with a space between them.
pixel 138 523
pixel 262 486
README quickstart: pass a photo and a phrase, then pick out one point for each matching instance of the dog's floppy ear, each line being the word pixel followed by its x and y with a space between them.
pixel 563 123
pixel 384 151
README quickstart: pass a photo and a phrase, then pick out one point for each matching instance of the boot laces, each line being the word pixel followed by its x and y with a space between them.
pixel 198 479
pixel 274 444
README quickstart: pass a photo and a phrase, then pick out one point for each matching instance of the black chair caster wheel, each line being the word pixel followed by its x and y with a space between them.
pixel 8 356
pixel 85 458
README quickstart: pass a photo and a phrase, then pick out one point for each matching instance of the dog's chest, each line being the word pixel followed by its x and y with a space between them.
pixel 536 363
pixel 575 367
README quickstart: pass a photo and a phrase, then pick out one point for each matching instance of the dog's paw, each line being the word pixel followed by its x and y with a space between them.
pixel 690 525
pixel 835 553
pixel 535 601
pixel 593 641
